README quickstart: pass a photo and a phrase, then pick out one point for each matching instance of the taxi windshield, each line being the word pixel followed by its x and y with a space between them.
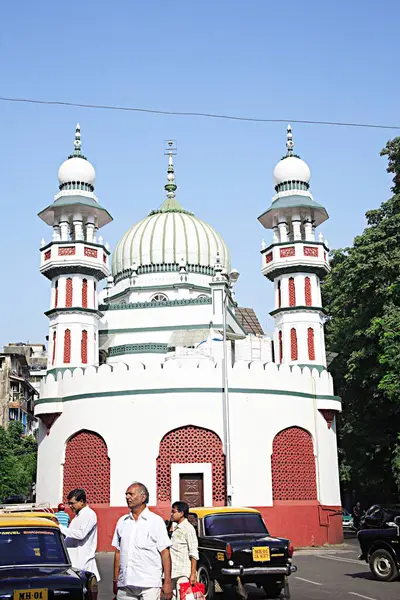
pixel 31 546
pixel 234 523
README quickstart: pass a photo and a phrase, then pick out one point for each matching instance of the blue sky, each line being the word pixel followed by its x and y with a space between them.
pixel 295 60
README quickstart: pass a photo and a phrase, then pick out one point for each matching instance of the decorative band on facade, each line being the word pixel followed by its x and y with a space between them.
pixel 156 304
pixel 138 349
pixel 164 268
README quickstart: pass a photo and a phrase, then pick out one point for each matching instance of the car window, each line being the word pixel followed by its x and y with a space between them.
pixel 29 546
pixel 234 523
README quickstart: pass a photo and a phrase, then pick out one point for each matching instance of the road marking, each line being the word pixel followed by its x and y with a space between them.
pixel 353 561
pixel 361 596
pixel 308 581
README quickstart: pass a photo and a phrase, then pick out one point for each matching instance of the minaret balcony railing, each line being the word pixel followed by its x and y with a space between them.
pixel 74 254
pixel 293 256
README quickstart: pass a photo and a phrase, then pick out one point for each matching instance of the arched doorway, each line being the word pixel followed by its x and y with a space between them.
pixel 87 466
pixel 293 465
pixel 195 446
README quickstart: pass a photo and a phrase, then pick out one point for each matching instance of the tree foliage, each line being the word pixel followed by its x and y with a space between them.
pixel 362 297
pixel 17 461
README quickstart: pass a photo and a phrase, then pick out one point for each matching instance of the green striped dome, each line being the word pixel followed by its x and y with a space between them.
pixel 169 236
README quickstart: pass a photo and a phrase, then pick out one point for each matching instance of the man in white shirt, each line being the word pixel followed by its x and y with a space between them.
pixel 81 535
pixel 184 549
pixel 142 551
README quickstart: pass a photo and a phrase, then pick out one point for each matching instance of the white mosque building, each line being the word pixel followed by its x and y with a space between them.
pixel 155 378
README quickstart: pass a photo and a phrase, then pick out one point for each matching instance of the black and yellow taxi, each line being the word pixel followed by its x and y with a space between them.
pixel 235 548
pixel 34 562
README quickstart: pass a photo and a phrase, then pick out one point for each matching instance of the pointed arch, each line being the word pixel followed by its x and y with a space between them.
pixel 191 444
pixel 87 466
pixel 293 465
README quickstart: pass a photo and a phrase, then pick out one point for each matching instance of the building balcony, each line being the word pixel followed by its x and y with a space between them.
pixel 17 403
pixel 295 256
pixel 76 256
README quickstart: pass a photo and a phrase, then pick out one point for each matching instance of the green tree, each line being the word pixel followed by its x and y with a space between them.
pixel 362 297
pixel 17 461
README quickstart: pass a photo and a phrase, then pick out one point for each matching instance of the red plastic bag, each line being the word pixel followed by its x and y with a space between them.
pixel 191 592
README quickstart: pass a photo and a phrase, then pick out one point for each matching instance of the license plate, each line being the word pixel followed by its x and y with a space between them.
pixel 32 594
pixel 260 554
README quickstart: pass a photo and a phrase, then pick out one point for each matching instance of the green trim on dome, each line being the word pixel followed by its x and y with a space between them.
pixel 197 237
pixel 147 223
pixel 164 236
pixel 208 240
pixel 186 237
pixel 152 235
pixel 174 238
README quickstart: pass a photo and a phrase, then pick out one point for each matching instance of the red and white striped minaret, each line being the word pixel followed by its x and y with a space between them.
pixel 74 261
pixel 296 261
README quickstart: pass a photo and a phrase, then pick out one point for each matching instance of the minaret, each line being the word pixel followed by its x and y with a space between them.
pixel 74 261
pixel 295 262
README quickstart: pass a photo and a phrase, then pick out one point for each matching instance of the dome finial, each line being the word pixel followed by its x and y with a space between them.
pixel 77 141
pixel 170 187
pixel 289 141
pixel 170 203
pixel 77 153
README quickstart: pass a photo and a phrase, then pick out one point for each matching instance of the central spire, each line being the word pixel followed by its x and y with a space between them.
pixel 77 153
pixel 289 141
pixel 170 203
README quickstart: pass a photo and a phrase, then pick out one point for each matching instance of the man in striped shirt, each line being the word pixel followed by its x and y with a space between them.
pixel 185 548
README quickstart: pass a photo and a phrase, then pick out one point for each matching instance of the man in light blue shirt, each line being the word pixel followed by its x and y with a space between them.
pixel 62 516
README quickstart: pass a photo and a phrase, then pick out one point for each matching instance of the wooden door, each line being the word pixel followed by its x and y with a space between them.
pixel 191 489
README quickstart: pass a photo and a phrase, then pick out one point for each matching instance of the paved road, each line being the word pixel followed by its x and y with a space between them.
pixel 326 574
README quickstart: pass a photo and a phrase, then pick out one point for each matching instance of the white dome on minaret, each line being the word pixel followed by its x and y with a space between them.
pixel 291 167
pixel 77 168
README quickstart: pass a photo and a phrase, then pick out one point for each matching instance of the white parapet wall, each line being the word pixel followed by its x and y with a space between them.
pixel 138 404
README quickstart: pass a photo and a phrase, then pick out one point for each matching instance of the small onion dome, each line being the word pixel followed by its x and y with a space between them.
pixel 77 169
pixel 291 168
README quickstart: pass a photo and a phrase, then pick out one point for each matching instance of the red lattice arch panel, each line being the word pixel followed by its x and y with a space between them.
pixel 292 292
pixel 191 444
pixel 307 291
pixel 87 466
pixel 293 344
pixel 293 466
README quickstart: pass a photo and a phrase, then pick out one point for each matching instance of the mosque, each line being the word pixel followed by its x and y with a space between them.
pixel 158 377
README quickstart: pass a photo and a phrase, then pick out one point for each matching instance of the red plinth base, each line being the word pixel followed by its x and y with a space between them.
pixel 305 523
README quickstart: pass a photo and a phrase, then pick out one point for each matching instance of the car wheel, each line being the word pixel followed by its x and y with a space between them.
pixel 383 565
pixel 273 590
pixel 203 576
